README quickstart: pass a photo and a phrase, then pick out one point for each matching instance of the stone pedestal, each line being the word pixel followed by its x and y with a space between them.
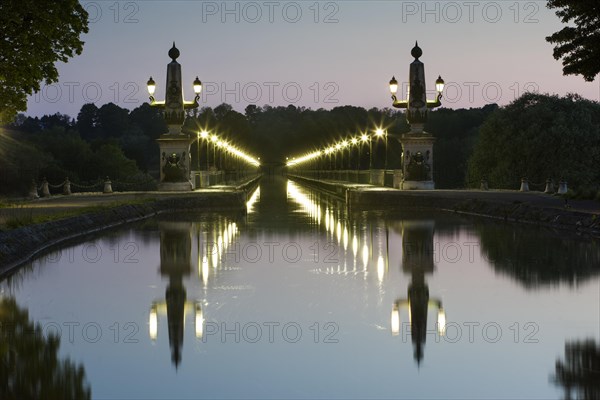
pixel 175 160
pixel 417 160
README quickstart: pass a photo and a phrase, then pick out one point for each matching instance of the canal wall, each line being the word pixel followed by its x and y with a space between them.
pixel 332 188
pixel 523 207
pixel 18 246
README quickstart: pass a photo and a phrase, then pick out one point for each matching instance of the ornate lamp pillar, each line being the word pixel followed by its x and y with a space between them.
pixel 174 145
pixel 417 145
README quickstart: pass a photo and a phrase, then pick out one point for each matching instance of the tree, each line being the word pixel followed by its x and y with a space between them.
pixel 69 154
pixel 113 121
pixel 578 46
pixel 455 133
pixel 35 35
pixel 21 162
pixel 30 366
pixel 109 160
pixel 57 120
pixel 87 121
pixel 539 136
pixel 149 120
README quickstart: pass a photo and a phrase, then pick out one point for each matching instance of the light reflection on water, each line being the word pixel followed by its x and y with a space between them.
pixel 297 298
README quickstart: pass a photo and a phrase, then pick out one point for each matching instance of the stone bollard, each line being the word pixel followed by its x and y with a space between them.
pixel 398 177
pixel 45 188
pixel 562 187
pixel 524 185
pixel 107 186
pixel 549 186
pixel 377 177
pixel 33 193
pixel 67 187
pixel 483 185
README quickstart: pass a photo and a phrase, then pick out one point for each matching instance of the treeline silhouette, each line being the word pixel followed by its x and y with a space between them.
pixel 115 142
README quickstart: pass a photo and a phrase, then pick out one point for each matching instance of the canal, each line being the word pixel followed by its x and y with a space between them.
pixel 296 298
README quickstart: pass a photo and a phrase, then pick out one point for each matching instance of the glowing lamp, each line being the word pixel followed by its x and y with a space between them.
pixel 439 84
pixel 197 86
pixel 393 85
pixel 151 86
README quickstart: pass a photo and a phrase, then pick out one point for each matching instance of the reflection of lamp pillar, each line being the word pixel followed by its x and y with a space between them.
pixel 175 262
pixel 417 247
pixel 417 145
pixel 175 160
pixel 175 299
pixel 417 259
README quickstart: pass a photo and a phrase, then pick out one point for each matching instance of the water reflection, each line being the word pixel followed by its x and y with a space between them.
pixel 358 241
pixel 212 239
pixel 579 372
pixel 29 364
pixel 417 260
pixel 377 277
pixel 535 260
pixel 417 257
pixel 175 264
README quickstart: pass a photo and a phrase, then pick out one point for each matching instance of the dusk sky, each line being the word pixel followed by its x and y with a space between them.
pixel 313 54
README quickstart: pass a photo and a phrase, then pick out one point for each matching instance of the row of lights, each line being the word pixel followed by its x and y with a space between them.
pixel 341 145
pixel 205 135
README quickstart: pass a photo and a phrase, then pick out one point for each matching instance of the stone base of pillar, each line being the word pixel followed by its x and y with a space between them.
pixel 414 143
pixel 175 156
pixel 175 186
pixel 418 185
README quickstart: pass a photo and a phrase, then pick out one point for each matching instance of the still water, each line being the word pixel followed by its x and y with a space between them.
pixel 298 299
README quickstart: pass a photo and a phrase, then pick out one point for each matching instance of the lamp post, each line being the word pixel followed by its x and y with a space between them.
pixel 198 152
pixel 214 139
pixel 344 144
pixel 417 145
pixel 381 133
pixel 354 143
pixel 204 136
pixel 365 138
pixel 174 145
